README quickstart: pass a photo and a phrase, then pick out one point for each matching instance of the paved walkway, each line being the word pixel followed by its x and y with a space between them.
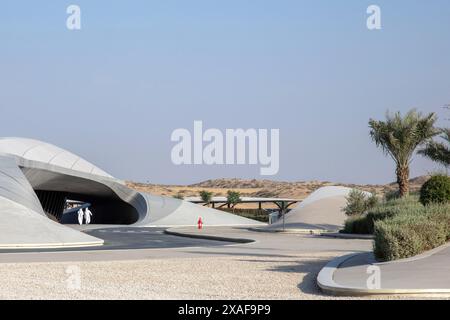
pixel 299 257
pixel 428 273
pixel 276 242
pixel 274 266
pixel 263 245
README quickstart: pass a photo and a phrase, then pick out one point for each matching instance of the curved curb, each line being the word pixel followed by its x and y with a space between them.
pixel 325 281
pixel 420 256
pixel 207 237
pixel 348 236
pixel 52 245
pixel 293 231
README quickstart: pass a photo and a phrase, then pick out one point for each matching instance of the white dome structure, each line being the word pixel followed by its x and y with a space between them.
pixel 321 210
pixel 37 179
pixel 36 150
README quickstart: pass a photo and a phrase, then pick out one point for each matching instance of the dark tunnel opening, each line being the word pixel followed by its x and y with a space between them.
pixel 104 210
pixel 53 203
pixel 54 190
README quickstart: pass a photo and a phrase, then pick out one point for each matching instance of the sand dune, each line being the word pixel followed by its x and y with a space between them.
pixel 263 188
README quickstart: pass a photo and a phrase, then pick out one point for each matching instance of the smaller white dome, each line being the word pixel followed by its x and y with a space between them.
pixel 325 192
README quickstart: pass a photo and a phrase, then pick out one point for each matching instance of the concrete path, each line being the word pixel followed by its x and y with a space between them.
pixel 292 254
pixel 264 245
pixel 276 242
pixel 273 266
pixel 128 238
pixel 424 274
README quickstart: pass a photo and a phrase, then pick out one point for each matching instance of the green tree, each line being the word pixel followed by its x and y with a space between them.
pixel 233 198
pixel 206 196
pixel 399 137
pixel 358 202
pixel 439 151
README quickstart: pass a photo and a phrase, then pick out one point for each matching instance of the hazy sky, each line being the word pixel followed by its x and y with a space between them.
pixel 114 91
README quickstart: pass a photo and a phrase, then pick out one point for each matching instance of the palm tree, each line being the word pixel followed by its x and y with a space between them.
pixel 400 136
pixel 439 151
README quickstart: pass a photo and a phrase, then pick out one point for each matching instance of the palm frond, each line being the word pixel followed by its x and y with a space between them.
pixel 400 136
pixel 438 151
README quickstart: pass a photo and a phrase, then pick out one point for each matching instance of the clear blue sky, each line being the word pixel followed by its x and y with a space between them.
pixel 114 91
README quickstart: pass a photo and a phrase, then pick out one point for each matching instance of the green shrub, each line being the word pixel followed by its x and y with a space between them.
pixel 372 201
pixel 358 202
pixel 233 198
pixel 364 224
pixel 441 214
pixel 357 224
pixel 255 214
pixel 435 190
pixel 411 200
pixel 206 196
pixel 391 195
pixel 403 227
pixel 394 242
pixel 411 232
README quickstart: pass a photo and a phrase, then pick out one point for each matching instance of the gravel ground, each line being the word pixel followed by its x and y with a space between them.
pixel 230 277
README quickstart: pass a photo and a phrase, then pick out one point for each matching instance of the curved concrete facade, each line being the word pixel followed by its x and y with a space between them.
pixel 30 149
pixel 36 178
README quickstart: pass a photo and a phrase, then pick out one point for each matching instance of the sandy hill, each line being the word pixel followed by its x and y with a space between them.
pixel 262 188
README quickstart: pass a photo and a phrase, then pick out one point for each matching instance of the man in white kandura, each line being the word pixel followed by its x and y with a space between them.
pixel 80 216
pixel 87 215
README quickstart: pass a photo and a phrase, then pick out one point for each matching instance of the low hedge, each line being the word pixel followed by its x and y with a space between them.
pixel 403 227
pixel 357 225
pixel 435 190
pixel 411 233
pixel 255 214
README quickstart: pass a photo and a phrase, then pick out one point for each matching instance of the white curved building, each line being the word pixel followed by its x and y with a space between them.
pixel 36 150
pixel 321 210
pixel 37 178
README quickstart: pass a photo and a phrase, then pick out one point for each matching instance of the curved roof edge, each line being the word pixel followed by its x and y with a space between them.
pixel 35 150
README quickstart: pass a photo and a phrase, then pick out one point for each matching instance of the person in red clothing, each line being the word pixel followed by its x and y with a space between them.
pixel 200 223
